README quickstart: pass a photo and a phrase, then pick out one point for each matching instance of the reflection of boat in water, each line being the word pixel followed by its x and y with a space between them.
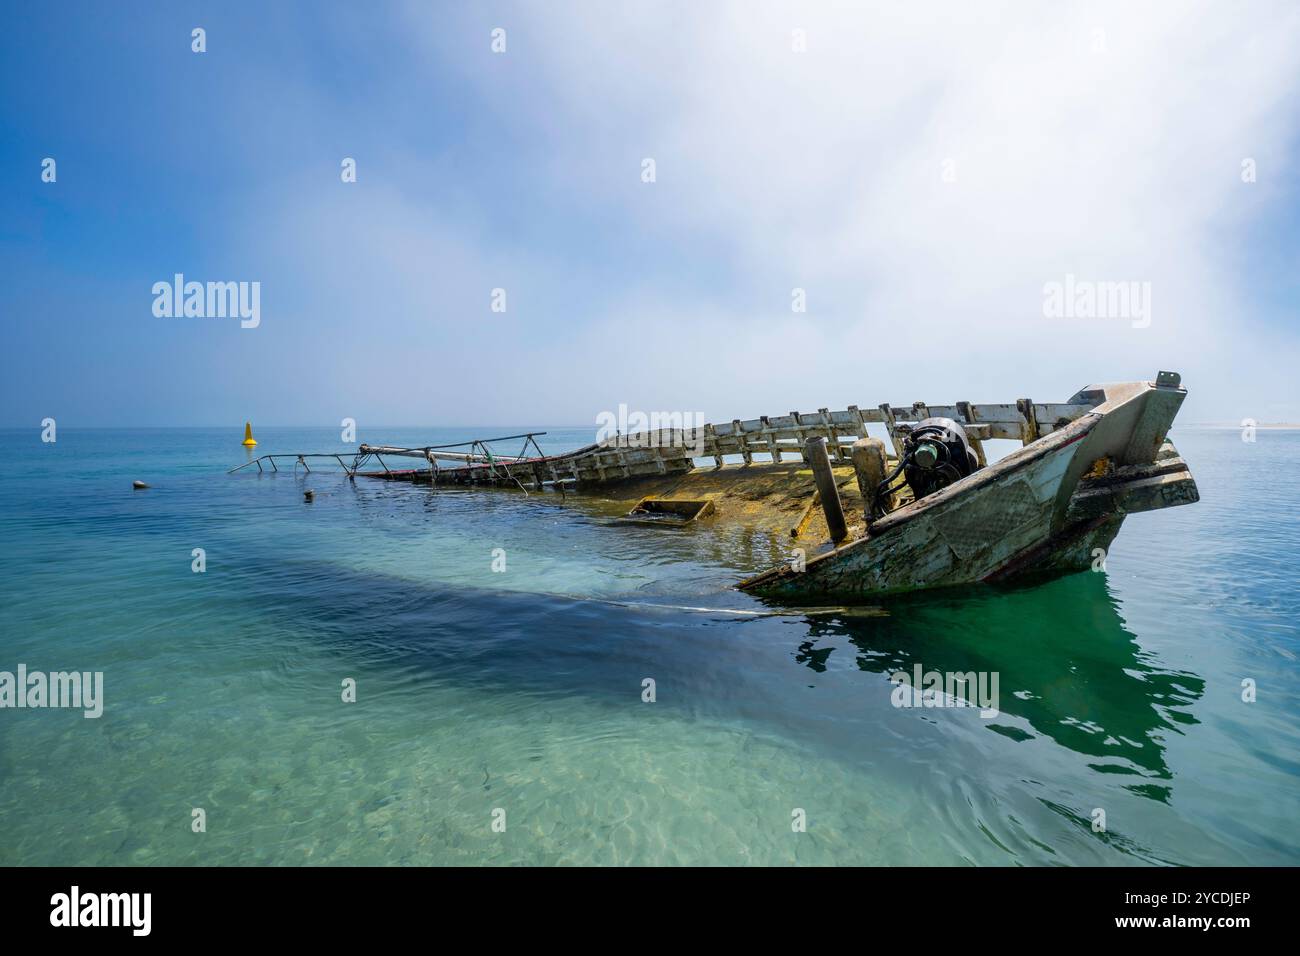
pixel 833 496
pixel 1085 685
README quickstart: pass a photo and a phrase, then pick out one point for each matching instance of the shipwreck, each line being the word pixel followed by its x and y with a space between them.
pixel 860 517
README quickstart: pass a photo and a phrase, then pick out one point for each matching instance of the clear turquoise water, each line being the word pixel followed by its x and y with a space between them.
pixel 522 690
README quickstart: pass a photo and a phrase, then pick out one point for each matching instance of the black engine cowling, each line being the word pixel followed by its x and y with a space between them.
pixel 935 455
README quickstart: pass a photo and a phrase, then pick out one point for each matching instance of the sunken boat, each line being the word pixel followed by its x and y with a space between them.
pixel 860 517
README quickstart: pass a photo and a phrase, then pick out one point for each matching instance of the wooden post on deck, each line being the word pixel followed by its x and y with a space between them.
pixel 968 417
pixel 870 466
pixel 815 452
pixel 1028 431
pixel 891 426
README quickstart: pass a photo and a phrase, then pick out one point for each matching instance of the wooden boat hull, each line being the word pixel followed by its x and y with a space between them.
pixel 1044 510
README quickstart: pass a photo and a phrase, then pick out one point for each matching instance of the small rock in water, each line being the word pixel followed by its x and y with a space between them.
pixel 138 485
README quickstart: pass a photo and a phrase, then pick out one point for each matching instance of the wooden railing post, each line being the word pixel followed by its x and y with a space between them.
pixel 815 452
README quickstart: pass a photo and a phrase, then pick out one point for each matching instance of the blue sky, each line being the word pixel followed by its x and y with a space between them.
pixel 920 170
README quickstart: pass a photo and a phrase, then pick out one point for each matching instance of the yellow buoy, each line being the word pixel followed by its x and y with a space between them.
pixel 248 434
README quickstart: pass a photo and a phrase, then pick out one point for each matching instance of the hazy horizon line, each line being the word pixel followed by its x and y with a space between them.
pixel 496 427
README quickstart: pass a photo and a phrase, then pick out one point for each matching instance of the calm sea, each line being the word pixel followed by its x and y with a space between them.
pixel 516 695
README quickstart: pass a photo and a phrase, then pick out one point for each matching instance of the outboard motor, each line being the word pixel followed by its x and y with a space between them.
pixel 935 455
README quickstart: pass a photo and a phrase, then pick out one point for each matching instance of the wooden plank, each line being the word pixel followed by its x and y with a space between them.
pixel 1029 423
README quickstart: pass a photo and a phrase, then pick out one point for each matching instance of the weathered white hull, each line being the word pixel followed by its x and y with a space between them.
pixel 1032 513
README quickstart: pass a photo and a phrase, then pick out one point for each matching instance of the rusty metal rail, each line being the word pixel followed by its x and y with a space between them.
pixel 468 465
pixel 298 459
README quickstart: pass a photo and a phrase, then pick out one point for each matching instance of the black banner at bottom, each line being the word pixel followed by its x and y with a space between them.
pixel 336 905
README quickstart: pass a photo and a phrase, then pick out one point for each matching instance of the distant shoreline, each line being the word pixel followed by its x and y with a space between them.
pixel 1278 426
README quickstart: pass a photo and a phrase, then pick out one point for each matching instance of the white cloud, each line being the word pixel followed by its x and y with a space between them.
pixel 824 170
